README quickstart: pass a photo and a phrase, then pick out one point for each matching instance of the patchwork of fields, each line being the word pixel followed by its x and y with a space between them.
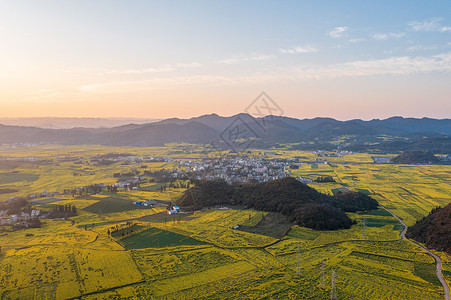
pixel 200 255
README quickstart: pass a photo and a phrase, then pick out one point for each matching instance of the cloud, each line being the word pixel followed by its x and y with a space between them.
pixel 171 82
pixel 338 31
pixel 258 56
pixel 245 58
pixel 429 25
pixel 386 36
pixel 356 40
pixel 299 49
pixel 163 69
pixel 131 71
pixel 43 95
pixel 403 65
pixel 421 47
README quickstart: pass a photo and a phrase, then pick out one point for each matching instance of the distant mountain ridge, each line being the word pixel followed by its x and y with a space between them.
pixel 395 134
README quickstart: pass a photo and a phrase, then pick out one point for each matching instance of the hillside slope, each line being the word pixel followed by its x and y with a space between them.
pixel 434 230
pixel 304 205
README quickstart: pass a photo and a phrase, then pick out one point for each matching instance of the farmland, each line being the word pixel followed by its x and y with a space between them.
pixel 200 255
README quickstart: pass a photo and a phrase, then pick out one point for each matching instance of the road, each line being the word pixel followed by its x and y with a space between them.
pixel 436 257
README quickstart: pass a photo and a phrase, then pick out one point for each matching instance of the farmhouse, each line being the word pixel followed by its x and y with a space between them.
pixel 174 210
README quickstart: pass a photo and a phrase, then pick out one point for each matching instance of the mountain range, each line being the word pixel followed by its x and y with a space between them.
pixel 388 135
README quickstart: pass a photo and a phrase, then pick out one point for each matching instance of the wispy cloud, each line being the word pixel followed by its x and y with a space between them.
pixel 42 95
pixel 163 69
pixel 403 65
pixel 131 71
pixel 421 47
pixel 386 36
pixel 357 40
pixel 170 82
pixel 429 25
pixel 245 58
pixel 338 31
pixel 299 49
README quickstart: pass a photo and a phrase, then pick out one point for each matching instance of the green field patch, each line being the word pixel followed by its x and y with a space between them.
pixel 378 212
pixel 363 191
pixel 314 166
pixel 153 188
pixel 398 227
pixel 90 225
pixel 426 271
pixel 273 224
pixel 414 213
pixel 47 200
pixel 303 234
pixel 126 231
pixel 340 189
pixel 370 222
pixel 111 205
pixel 17 177
pixel 157 238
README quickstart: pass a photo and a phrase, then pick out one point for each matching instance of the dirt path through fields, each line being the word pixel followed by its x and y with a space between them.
pixel 435 256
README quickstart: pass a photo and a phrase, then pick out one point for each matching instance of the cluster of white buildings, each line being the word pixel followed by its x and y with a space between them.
pixel 339 153
pixel 6 219
pixel 237 169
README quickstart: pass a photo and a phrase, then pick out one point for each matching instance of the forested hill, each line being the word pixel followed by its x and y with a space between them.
pixel 434 230
pixel 303 204
pixel 415 157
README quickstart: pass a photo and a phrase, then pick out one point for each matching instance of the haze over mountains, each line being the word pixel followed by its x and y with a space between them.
pixel 67 123
pixel 392 134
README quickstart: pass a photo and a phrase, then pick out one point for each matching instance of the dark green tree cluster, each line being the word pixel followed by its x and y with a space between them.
pixel 16 205
pixel 87 190
pixel 303 204
pixel 325 179
pixel 179 184
pixel 63 211
pixel 434 230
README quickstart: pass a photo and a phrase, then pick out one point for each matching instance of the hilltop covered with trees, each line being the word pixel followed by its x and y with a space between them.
pixel 304 205
pixel 434 230
pixel 415 157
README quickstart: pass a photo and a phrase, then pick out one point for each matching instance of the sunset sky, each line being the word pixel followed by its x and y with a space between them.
pixel 158 59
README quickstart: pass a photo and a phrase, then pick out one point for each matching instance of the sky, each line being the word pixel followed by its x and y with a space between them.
pixel 161 59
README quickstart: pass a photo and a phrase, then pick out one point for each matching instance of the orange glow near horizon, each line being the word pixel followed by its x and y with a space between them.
pixel 64 59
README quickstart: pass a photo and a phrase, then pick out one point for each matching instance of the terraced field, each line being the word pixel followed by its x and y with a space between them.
pixel 200 255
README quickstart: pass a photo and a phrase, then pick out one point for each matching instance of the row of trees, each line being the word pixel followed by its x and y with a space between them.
pixel 324 179
pixel 63 211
